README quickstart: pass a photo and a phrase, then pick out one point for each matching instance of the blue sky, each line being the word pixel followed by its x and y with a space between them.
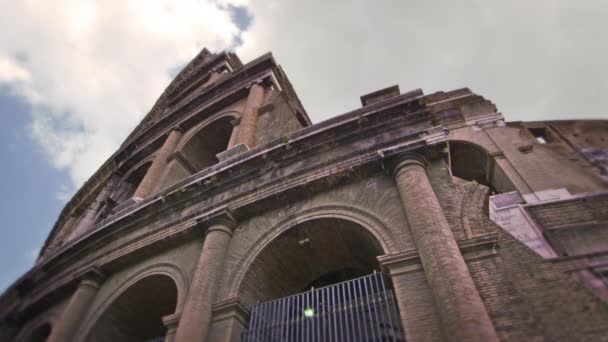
pixel 76 76
pixel 28 206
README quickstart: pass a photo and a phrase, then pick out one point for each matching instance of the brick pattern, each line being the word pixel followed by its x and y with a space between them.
pixel 196 316
pixel 461 311
pixel 250 115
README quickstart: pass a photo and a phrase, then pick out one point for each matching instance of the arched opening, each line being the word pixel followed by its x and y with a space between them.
pixel 130 183
pixel 201 149
pixel 316 253
pixel 473 163
pixel 136 315
pixel 316 276
pixel 40 334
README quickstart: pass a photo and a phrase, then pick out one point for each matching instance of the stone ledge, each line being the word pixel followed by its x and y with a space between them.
pixel 233 152
pixel 409 261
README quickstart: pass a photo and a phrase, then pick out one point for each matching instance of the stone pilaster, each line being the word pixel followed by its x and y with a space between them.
pixel 170 322
pixel 152 177
pixel 230 317
pixel 196 316
pixel 461 311
pixel 71 317
pixel 246 131
pixel 414 298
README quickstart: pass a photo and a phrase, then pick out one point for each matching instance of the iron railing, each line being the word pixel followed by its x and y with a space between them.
pixel 362 309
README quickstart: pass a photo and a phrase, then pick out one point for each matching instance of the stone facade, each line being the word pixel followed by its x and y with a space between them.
pixel 226 196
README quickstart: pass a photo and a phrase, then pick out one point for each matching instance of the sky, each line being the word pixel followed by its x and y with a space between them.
pixel 76 76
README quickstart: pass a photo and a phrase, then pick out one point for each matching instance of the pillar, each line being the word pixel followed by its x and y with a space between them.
pixel 77 308
pixel 88 219
pixel 246 132
pixel 462 313
pixel 196 315
pixel 152 177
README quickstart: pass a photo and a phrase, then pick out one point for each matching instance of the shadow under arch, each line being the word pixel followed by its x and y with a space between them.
pixel 316 247
pixel 472 162
pixel 198 148
pixel 202 143
pixel 130 181
pixel 38 331
pixel 135 310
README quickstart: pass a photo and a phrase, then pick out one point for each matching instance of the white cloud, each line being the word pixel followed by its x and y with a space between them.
pixel 32 254
pixel 11 71
pixel 92 69
pixel 535 59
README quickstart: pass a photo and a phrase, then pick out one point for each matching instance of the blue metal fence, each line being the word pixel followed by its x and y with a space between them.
pixel 362 309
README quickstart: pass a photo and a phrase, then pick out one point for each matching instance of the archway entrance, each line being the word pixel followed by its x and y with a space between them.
pixel 136 315
pixel 318 281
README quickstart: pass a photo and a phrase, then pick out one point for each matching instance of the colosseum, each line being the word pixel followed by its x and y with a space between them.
pixel 226 215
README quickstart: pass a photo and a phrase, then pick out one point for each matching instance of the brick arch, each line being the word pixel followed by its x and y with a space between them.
pixel 378 231
pixel 202 125
pixel 168 270
pixel 141 167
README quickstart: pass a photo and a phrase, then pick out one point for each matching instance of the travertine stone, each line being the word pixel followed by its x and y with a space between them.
pixel 196 316
pixel 68 323
pixel 155 171
pixel 246 132
pixel 461 310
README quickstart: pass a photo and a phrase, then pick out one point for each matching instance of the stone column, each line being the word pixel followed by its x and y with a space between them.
pixel 246 134
pixel 196 315
pixel 462 313
pixel 152 177
pixel 77 308
pixel 88 218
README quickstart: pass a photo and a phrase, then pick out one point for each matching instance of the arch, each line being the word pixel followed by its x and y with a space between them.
pixel 365 233
pixel 130 181
pixel 138 305
pixel 37 330
pixel 202 125
pixel 472 162
pixel 198 148
pixel 203 142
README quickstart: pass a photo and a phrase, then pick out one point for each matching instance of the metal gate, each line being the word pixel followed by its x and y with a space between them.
pixel 362 309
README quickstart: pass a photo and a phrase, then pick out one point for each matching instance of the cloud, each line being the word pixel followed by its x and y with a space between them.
pixel 91 69
pixel 32 254
pixel 535 59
